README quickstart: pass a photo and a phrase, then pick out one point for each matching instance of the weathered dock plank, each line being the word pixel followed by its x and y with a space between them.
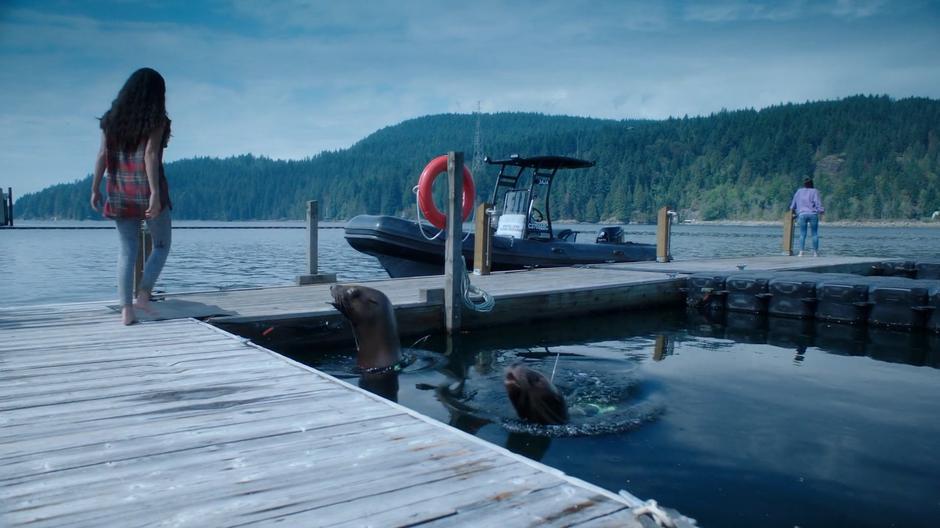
pixel 179 423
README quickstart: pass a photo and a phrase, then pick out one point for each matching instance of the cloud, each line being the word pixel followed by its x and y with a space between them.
pixel 780 11
pixel 857 8
pixel 736 11
pixel 291 79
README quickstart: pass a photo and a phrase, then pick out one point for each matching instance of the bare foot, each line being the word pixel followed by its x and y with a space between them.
pixel 143 301
pixel 127 315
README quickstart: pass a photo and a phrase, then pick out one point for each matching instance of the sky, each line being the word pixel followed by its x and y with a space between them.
pixel 289 79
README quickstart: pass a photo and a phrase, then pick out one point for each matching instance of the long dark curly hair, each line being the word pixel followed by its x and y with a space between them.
pixel 139 108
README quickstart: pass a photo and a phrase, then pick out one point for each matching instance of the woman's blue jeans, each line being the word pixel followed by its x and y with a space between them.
pixel 129 233
pixel 811 220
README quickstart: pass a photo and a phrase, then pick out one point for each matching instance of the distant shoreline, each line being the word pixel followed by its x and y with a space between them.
pixel 335 224
pixel 838 223
pixel 771 223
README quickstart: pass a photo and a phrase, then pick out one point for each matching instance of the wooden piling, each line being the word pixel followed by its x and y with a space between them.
pixel 312 240
pixel 453 254
pixel 313 275
pixel 663 233
pixel 3 208
pixel 6 219
pixel 482 244
pixel 788 233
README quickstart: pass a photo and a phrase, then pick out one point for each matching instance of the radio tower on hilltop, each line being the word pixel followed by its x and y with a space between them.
pixel 476 166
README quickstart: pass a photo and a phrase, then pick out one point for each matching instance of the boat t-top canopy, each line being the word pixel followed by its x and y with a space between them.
pixel 518 194
pixel 543 162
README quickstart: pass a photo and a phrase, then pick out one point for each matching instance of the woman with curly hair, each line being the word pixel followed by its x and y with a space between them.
pixel 134 132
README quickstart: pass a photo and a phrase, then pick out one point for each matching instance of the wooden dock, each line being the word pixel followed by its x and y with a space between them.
pixel 176 422
pixel 522 296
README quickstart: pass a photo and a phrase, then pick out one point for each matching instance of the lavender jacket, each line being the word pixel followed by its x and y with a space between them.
pixel 806 201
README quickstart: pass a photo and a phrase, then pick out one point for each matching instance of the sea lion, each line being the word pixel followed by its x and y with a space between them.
pixel 373 322
pixel 534 397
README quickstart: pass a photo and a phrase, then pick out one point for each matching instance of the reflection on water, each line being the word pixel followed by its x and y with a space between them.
pixel 916 348
pixel 79 265
pixel 763 421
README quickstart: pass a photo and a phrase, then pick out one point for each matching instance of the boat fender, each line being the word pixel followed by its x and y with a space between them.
pixel 435 167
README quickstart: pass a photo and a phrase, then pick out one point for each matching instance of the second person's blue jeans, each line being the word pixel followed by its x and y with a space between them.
pixel 811 220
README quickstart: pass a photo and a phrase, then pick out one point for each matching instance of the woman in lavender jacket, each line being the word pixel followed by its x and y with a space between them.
pixel 808 207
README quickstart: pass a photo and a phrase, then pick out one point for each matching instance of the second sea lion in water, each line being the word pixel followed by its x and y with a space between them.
pixel 373 322
pixel 534 397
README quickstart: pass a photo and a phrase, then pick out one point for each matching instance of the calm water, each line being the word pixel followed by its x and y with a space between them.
pixel 742 422
pixel 762 422
pixel 47 266
pixel 50 266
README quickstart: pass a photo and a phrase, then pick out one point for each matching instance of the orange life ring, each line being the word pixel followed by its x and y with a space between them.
pixel 437 166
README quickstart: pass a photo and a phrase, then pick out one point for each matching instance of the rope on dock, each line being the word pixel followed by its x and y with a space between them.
pixel 660 516
pixel 474 298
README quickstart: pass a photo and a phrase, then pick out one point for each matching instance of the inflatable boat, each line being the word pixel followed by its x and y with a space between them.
pixel 522 231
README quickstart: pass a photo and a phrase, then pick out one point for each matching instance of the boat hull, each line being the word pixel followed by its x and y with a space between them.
pixel 404 251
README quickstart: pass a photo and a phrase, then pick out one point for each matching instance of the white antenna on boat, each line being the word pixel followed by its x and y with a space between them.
pixel 476 166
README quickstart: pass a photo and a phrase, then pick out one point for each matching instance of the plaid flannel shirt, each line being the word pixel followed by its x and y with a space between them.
pixel 127 186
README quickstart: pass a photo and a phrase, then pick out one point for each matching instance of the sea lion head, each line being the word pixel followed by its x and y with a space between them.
pixel 534 397
pixel 373 322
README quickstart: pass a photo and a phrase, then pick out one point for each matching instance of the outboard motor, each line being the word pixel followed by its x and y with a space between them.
pixel 610 235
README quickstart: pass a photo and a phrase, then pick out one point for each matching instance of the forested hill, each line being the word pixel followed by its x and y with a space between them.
pixel 873 158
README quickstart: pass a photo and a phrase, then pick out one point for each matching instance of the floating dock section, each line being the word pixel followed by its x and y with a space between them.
pixel 280 315
pixel 902 295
